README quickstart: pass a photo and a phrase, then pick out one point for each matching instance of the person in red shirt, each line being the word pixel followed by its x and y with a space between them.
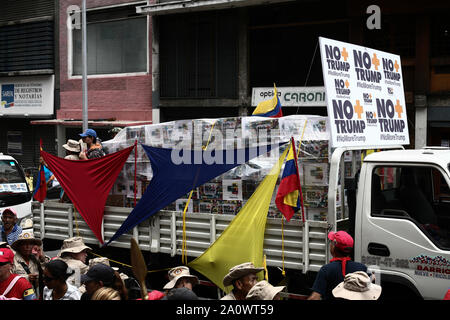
pixel 13 285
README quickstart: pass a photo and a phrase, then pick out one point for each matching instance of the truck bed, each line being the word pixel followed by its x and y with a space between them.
pixel 305 246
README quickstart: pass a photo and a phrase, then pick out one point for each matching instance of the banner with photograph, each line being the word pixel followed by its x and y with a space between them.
pixel 365 96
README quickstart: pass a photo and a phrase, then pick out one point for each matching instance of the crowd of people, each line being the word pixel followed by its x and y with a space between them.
pixel 26 273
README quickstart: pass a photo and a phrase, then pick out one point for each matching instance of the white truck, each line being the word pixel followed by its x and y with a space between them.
pixel 14 190
pixel 398 212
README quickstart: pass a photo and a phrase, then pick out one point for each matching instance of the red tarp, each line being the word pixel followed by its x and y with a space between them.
pixel 87 183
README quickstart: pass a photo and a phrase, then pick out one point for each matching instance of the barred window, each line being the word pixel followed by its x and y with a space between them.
pixel 116 42
pixel 199 55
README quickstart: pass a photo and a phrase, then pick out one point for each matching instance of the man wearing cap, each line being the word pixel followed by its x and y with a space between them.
pixel 98 276
pixel 243 277
pixel 94 149
pixel 180 277
pixel 10 230
pixel 12 285
pixel 333 273
pixel 74 253
pixel 25 263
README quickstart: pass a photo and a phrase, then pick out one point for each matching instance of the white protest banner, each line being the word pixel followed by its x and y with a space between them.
pixel 364 93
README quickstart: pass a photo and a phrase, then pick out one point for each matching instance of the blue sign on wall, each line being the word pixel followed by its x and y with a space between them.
pixel 7 96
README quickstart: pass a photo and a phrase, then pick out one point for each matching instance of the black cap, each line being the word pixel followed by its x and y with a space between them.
pixel 99 272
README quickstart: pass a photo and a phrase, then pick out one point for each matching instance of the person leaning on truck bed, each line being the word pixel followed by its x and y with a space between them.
pixel 94 147
pixel 333 273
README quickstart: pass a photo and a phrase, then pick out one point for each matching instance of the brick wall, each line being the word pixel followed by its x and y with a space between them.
pixel 119 97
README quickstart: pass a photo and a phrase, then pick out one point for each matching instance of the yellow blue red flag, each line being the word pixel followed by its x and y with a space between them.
pixel 289 196
pixel 40 193
pixel 269 108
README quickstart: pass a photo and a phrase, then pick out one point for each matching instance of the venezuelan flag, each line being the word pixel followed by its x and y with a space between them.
pixel 289 195
pixel 269 108
pixel 40 193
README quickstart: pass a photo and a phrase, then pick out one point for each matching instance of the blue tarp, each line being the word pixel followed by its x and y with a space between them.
pixel 172 179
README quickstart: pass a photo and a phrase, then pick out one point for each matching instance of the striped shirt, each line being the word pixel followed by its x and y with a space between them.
pixel 13 236
pixel 72 293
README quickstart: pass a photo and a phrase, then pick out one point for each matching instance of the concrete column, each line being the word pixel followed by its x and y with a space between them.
pixel 243 74
pixel 60 139
pixel 421 128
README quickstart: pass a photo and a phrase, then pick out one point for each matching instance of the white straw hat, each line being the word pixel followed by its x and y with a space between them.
pixel 357 286
pixel 72 145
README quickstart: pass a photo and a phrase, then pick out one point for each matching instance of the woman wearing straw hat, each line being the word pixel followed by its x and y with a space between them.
pixel 73 150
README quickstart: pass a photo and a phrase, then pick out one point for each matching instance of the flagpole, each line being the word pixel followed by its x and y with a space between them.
pixel 84 66
pixel 298 176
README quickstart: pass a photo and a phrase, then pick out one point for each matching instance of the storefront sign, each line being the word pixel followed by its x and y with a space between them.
pixel 292 96
pixel 27 95
pixel 365 97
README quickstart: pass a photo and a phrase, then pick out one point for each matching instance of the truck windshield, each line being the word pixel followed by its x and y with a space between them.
pixel 416 193
pixel 12 179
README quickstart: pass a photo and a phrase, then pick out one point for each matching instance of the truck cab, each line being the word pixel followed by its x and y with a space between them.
pixel 14 191
pixel 402 221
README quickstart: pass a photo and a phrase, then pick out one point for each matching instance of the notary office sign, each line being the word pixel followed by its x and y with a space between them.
pixel 28 95
pixel 292 96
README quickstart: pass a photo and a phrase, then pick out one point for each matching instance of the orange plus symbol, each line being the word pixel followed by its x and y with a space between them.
pixel 396 66
pixel 399 109
pixel 344 54
pixel 375 61
pixel 358 109
pixel 347 83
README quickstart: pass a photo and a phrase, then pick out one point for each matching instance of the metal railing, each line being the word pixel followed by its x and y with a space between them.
pixel 305 244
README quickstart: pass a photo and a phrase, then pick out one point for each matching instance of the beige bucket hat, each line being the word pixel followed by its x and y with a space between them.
pixel 177 273
pixel 263 291
pixel 93 262
pixel 357 286
pixel 73 245
pixel 26 237
pixel 240 271
pixel 72 145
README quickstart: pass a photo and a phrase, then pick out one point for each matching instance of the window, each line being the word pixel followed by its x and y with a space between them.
pixel 26 46
pixel 419 194
pixel 199 55
pixel 440 36
pixel 397 35
pixel 116 42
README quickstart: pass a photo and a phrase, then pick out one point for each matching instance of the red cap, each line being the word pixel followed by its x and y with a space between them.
pixel 6 255
pixel 10 210
pixel 343 240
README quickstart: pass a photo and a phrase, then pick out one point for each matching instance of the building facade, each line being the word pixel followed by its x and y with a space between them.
pixel 28 77
pixel 208 55
pixel 118 82
pixel 160 60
